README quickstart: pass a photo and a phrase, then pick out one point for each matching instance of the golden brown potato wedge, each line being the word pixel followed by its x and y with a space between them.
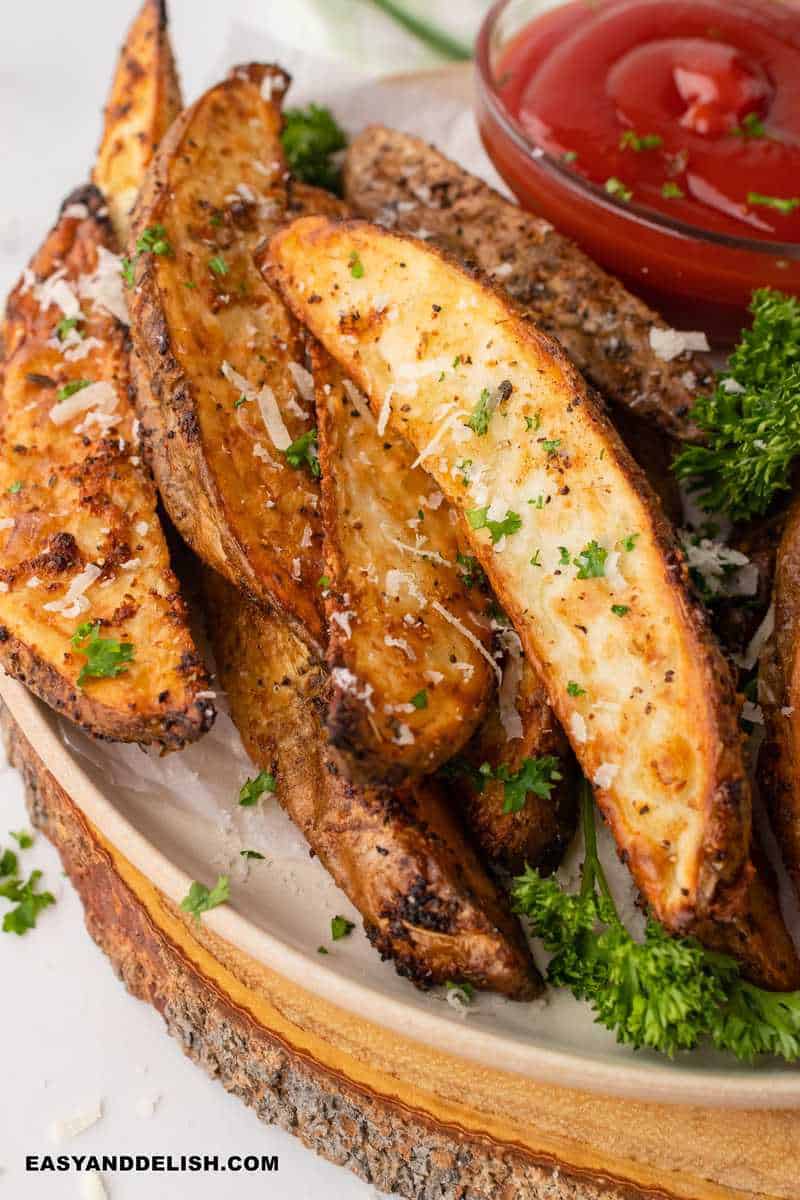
pixel 409 643
pixel 399 856
pixel 538 832
pixel 400 181
pixel 779 695
pixel 567 530
pixel 223 358
pixel 81 539
pixel 145 99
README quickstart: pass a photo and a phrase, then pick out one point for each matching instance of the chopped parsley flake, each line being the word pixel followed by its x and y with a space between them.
pixel 471 571
pixel 536 775
pixel 28 900
pixel 153 240
pixel 615 187
pixel 324 582
pixel 8 863
pixel 311 138
pixel 536 559
pixel 631 140
pixel 322 950
pixel 238 403
pixel 218 265
pixel 751 127
pixel 620 610
pixel 510 523
pixel 303 453
pixel 341 928
pixel 251 854
pixel 420 700
pixel 551 445
pixel 591 562
pixel 671 191
pixel 465 990
pixel 575 689
pixel 126 270
pixel 563 556
pixel 69 389
pixel 629 543
pixel 356 266
pixel 201 899
pixel 105 657
pixel 253 789
pixel 15 487
pixel 780 204
pixel 481 415
pixel 65 325
pixel 569 156
pixel 537 502
pixel 23 839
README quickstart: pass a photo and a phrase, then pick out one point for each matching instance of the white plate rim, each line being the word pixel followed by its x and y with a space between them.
pixel 668 1083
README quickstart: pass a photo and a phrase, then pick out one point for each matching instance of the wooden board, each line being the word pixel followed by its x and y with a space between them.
pixel 409 1119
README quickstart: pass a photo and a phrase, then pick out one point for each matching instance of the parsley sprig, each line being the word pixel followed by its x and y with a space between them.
pixel 665 993
pixel 311 138
pixel 105 657
pixel 537 776
pixel 752 419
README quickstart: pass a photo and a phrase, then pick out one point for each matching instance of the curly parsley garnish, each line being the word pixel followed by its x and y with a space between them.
pixel 311 138
pixel 478 519
pixel 105 657
pixel 201 899
pixel 536 775
pixel 303 453
pixel 665 993
pixel 752 419
pixel 253 789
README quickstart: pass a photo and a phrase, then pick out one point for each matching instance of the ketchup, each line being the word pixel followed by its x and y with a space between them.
pixel 687 107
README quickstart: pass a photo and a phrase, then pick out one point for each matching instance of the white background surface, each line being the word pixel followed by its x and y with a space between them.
pixel 71 1035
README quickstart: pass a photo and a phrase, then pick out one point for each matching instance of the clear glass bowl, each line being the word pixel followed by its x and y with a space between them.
pixel 698 278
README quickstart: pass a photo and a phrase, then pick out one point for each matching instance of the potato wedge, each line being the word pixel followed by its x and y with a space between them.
pixel 400 181
pixel 81 539
pixel 538 832
pixel 567 530
pixel 399 856
pixel 779 696
pixel 409 685
pixel 223 358
pixel 145 99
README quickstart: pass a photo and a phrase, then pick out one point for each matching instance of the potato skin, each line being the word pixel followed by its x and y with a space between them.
pixel 426 902
pixel 84 497
pixel 660 667
pixel 145 99
pixel 229 492
pixel 779 696
pixel 400 181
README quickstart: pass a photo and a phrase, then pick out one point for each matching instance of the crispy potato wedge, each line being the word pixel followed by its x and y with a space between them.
pixel 409 686
pixel 426 901
pixel 400 181
pixel 81 539
pixel 654 720
pixel 539 832
pixel 208 331
pixel 145 99
pixel 779 696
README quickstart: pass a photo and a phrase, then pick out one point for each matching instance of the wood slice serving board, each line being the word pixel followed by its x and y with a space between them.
pixel 411 1117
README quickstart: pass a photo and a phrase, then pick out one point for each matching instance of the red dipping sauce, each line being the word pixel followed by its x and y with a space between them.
pixel 663 135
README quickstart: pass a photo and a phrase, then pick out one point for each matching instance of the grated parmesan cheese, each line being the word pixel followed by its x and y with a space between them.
pixel 303 381
pixel 268 406
pixel 509 688
pixel 604 775
pixel 92 1186
pixel 55 290
pixel 724 571
pixel 344 679
pixel 343 619
pixel 99 396
pixel 577 727
pixel 668 344
pixel 71 1127
pixel 471 638
pixel 104 287
pixel 404 736
pixel 395 580
pixel 759 639
pixel 400 644
pixel 74 602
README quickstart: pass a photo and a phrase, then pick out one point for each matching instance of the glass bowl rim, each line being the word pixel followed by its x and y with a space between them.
pixel 546 162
